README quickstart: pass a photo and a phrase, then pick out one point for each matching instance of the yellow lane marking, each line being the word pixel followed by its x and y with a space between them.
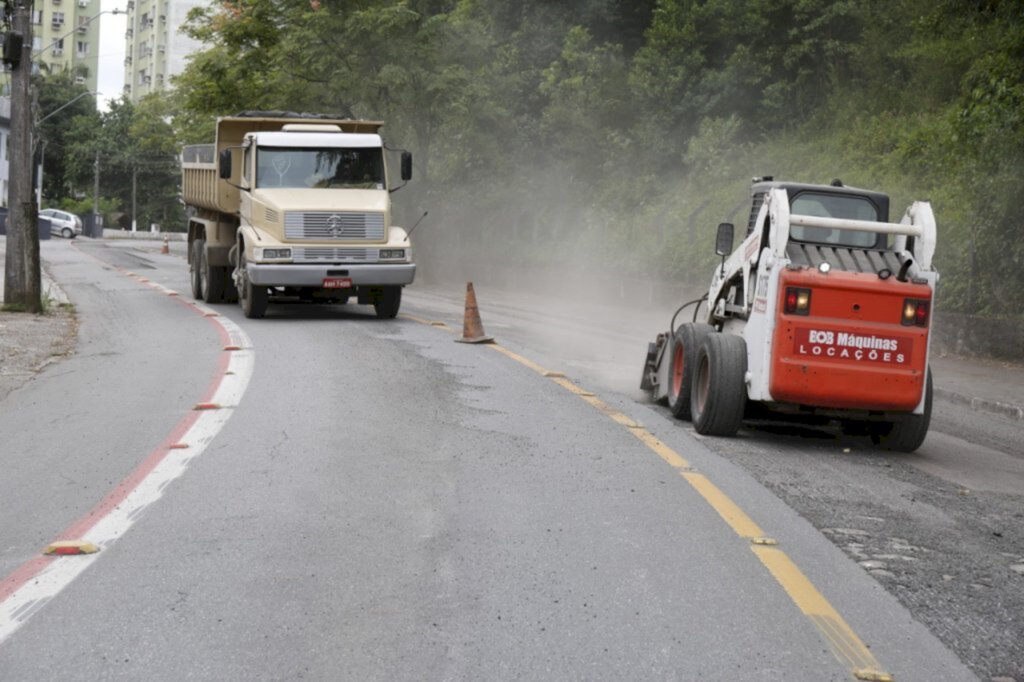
pixel 844 644
pixel 726 508
pixel 429 323
pixel 660 449
pixel 519 358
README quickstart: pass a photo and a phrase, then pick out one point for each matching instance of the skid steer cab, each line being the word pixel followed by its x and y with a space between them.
pixel 823 312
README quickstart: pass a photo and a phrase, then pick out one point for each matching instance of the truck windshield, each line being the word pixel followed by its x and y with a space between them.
pixel 357 168
pixel 834 206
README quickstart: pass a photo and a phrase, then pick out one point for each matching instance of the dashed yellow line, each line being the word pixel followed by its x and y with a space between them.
pixel 730 512
pixel 843 642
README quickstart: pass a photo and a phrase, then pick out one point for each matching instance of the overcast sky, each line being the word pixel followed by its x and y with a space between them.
pixel 110 80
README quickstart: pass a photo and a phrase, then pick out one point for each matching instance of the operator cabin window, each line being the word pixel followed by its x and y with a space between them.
pixel 834 206
pixel 358 168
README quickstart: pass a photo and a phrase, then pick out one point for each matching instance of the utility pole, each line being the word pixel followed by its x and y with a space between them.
pixel 135 174
pixel 96 197
pixel 22 285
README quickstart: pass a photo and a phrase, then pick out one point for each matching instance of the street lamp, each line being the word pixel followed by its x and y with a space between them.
pixel 42 149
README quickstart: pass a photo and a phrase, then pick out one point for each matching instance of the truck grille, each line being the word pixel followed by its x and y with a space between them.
pixel 326 226
pixel 311 254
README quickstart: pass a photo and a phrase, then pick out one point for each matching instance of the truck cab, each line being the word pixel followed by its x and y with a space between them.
pixel 302 210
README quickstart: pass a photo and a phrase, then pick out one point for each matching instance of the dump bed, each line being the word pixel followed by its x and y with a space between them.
pixel 200 184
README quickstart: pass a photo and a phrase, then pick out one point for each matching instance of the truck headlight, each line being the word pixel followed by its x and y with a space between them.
pixel 392 254
pixel 273 254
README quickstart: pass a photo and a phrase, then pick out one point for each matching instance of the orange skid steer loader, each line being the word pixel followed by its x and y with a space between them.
pixel 823 310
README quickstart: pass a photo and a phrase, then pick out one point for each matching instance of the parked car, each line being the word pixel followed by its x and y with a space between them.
pixel 62 223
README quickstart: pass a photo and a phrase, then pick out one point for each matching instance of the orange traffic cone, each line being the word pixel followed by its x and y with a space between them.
pixel 166 248
pixel 472 327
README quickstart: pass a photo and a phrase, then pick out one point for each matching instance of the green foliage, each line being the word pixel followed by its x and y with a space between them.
pixel 613 134
pixel 134 147
pixel 63 106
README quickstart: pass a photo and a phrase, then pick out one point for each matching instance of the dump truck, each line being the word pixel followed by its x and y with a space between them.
pixel 295 207
pixel 822 313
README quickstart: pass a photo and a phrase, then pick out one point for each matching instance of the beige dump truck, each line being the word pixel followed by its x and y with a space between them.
pixel 295 207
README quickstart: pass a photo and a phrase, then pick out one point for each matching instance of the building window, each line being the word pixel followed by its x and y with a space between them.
pixel 37 43
pixel 37 16
pixel 83 48
pixel 58 18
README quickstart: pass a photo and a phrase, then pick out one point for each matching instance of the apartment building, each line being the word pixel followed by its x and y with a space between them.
pixel 66 36
pixel 155 48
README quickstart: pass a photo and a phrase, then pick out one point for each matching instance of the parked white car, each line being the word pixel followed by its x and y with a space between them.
pixel 62 223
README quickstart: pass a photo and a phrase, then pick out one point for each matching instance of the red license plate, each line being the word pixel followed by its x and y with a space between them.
pixel 337 282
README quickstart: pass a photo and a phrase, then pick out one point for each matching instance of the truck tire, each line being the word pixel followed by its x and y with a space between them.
pixel 253 298
pixel 230 290
pixel 682 362
pixel 387 302
pixel 212 279
pixel 718 389
pixel 194 267
pixel 908 434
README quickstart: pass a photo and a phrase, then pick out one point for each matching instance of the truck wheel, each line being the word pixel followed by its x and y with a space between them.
pixel 908 434
pixel 253 298
pixel 213 280
pixel 718 390
pixel 194 268
pixel 230 290
pixel 387 302
pixel 682 362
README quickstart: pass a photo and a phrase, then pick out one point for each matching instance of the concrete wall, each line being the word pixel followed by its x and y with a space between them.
pixel 1001 338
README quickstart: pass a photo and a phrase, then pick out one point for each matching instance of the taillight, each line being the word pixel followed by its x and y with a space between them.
pixel 798 301
pixel 915 312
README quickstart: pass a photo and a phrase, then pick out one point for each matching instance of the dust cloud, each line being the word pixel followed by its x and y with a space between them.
pixel 559 276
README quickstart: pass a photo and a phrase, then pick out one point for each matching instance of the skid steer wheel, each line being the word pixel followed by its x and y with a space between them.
pixel 908 434
pixel 718 393
pixel 682 362
pixel 195 268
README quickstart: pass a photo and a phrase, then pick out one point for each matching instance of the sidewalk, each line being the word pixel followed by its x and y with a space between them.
pixel 990 386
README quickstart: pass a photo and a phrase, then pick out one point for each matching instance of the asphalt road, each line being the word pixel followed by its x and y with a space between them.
pixel 378 502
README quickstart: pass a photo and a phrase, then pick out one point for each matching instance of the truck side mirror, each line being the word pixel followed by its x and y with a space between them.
pixel 723 242
pixel 225 164
pixel 407 166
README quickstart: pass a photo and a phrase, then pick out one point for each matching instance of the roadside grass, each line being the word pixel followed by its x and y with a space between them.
pixel 48 305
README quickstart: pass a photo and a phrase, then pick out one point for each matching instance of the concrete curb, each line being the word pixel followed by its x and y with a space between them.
pixel 144 236
pixel 981 404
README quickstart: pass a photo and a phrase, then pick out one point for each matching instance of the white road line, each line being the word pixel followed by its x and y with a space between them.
pixel 33 595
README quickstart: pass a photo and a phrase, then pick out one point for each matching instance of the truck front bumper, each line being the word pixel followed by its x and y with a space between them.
pixel 296 275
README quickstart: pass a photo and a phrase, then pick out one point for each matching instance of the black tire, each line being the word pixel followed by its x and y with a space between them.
pixel 387 302
pixel 718 390
pixel 213 280
pixel 67 233
pixel 253 298
pixel 230 293
pixel 908 434
pixel 682 362
pixel 194 267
